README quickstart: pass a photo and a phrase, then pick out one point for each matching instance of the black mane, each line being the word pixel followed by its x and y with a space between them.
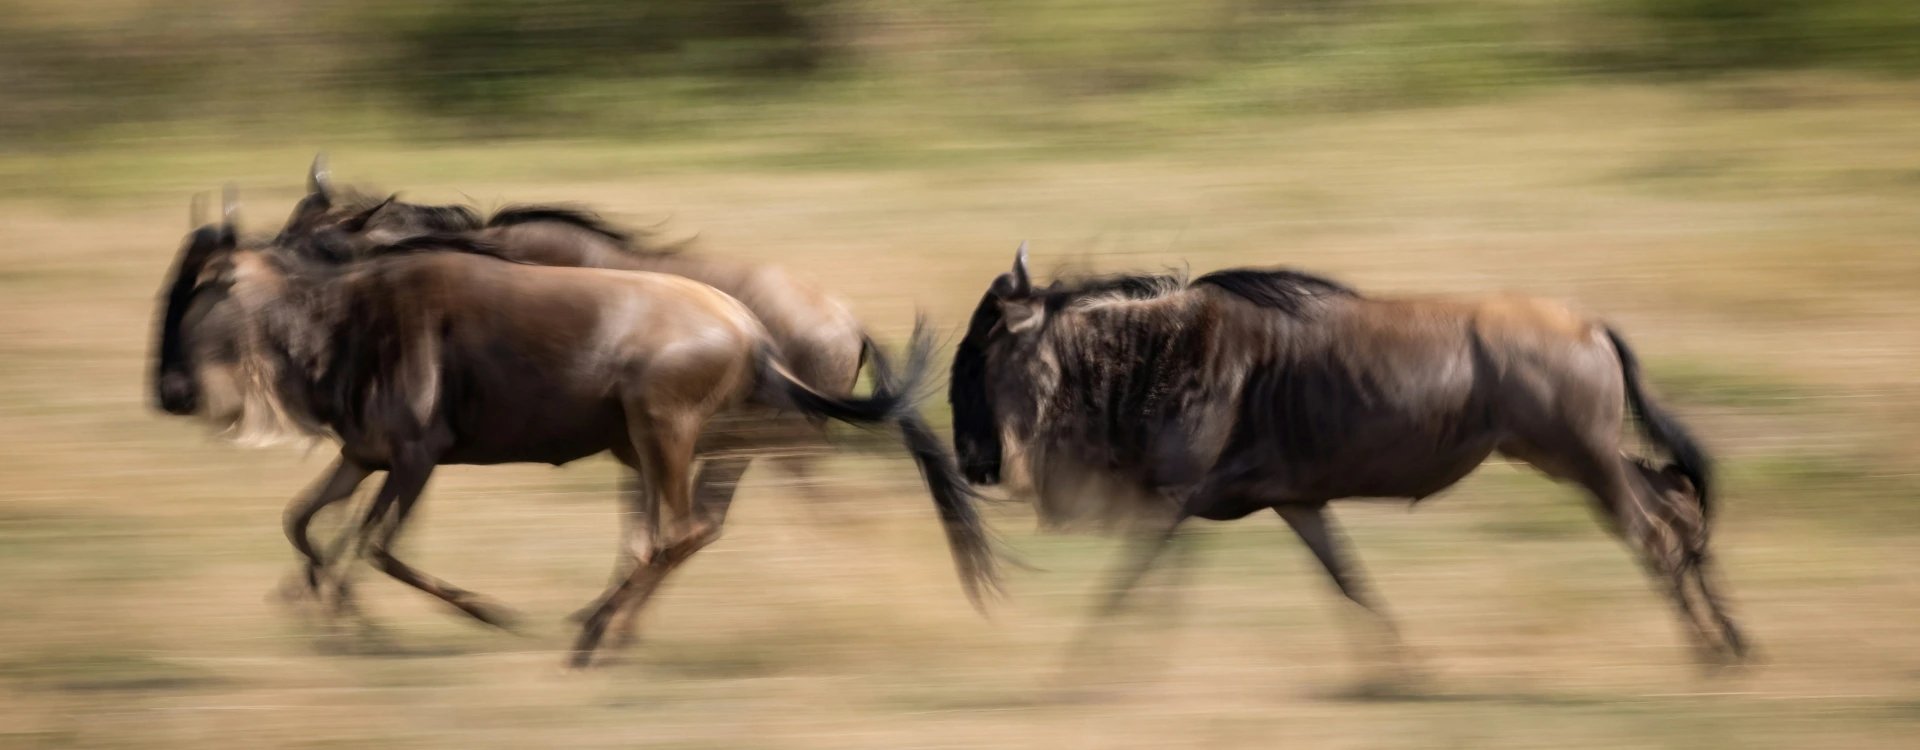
pixel 448 218
pixel 1136 286
pixel 1283 289
pixel 448 242
pixel 451 217
pixel 578 217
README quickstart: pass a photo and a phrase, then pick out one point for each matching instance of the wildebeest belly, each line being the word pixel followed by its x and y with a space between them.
pixel 517 412
pixel 1406 464
pixel 1409 465
pixel 538 431
pixel 1404 424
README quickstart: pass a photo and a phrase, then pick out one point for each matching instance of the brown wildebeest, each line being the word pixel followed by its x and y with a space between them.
pixel 433 358
pixel 1155 399
pixel 814 332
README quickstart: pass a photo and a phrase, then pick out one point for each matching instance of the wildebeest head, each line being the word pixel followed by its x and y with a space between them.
pixel 208 361
pixel 1008 306
pixel 188 303
pixel 1014 315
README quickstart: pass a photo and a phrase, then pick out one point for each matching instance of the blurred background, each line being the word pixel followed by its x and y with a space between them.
pixel 1733 182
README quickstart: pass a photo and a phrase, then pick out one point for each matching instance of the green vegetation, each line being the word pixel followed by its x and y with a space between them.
pixel 463 68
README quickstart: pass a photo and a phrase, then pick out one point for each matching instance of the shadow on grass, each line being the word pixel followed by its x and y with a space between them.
pixel 1387 693
pixel 104 671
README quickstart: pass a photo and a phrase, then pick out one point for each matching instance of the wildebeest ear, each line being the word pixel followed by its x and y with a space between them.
pixel 320 177
pixel 358 223
pixel 1022 315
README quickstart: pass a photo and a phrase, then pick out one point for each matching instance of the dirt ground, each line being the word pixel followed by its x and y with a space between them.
pixel 1760 252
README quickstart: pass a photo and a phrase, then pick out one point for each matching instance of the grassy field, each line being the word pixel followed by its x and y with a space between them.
pixel 1757 241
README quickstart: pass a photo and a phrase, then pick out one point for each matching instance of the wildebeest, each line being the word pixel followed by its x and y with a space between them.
pixel 429 358
pixel 815 333
pixel 1157 399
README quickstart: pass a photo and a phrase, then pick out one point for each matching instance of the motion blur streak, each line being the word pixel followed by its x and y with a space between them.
pixel 1730 182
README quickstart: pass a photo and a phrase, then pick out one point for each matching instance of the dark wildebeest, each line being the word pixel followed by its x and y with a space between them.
pixel 1157 399
pixel 429 358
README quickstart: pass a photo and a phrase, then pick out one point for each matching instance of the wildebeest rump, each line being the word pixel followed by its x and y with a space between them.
pixel 432 358
pixel 1151 398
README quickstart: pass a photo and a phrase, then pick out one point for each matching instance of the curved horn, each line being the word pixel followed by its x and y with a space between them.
pixel 229 211
pixel 1022 281
pixel 320 175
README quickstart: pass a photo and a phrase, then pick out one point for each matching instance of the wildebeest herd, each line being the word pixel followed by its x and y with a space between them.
pixel 416 336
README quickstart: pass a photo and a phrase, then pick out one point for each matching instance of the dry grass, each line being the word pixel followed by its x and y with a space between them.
pixel 1759 250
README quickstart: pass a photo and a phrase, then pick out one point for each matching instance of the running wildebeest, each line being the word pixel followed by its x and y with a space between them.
pixel 1151 399
pixel 813 332
pixel 430 358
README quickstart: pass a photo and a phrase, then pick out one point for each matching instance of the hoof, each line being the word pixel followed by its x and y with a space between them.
pixel 578 662
pixel 494 615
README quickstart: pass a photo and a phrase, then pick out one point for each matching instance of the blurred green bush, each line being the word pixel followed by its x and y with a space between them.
pixel 502 67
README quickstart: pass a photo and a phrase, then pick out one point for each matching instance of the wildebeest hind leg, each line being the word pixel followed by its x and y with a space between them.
pixel 1705 573
pixel 712 497
pixel 1656 542
pixel 664 447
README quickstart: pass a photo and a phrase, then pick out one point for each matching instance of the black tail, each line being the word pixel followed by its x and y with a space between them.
pixel 779 387
pixel 1663 429
pixel 973 550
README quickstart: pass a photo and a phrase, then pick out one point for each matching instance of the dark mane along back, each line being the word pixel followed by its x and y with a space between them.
pixel 450 242
pixel 1136 286
pixel 582 218
pixel 448 218
pixel 1283 289
pixel 414 216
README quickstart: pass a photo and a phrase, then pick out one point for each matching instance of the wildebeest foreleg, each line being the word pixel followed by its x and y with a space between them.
pixel 401 491
pixel 1310 522
pixel 633 513
pixel 1138 558
pixel 1145 551
pixel 340 482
